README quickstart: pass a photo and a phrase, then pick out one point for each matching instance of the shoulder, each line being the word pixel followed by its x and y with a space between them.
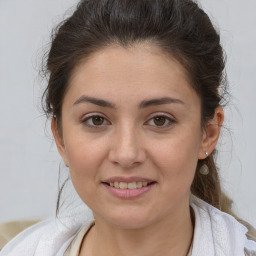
pixel 218 232
pixel 49 237
pixel 8 230
pixel 250 248
pixel 26 240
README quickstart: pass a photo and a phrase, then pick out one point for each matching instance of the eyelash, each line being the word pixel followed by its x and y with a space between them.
pixel 88 118
pixel 166 119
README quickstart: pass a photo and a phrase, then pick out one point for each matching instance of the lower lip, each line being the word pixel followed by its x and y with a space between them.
pixel 128 193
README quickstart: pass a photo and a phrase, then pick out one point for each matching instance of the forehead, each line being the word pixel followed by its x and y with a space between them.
pixel 139 71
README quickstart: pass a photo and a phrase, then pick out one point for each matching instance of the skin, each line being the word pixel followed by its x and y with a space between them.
pixel 130 142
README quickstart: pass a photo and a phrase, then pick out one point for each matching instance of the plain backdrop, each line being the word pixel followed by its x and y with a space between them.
pixel 29 162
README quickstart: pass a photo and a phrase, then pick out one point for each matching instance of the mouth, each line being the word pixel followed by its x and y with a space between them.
pixel 129 185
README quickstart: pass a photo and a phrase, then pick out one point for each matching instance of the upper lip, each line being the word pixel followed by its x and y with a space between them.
pixel 127 179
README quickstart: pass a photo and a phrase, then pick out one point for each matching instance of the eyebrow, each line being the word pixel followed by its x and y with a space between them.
pixel 143 104
pixel 159 101
pixel 99 102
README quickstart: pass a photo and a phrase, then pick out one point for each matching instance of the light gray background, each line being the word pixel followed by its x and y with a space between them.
pixel 29 163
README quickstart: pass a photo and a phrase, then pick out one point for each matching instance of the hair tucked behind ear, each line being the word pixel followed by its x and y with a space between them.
pixel 179 27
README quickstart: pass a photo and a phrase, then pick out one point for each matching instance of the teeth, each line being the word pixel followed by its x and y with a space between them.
pixel 132 185
pixel 123 185
pixel 128 185
pixel 139 184
pixel 116 184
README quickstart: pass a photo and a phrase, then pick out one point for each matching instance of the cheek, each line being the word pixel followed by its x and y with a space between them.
pixel 84 155
pixel 177 159
pixel 85 158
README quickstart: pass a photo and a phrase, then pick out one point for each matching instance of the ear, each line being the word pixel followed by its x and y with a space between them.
pixel 211 133
pixel 59 140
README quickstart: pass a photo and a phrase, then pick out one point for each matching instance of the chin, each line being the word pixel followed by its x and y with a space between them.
pixel 128 218
pixel 130 223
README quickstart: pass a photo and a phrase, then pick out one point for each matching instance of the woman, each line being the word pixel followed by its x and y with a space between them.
pixel 135 106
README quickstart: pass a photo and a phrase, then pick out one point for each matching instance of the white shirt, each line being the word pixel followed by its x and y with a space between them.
pixel 215 234
pixel 74 247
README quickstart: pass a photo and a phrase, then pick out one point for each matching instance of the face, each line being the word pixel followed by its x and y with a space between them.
pixel 131 135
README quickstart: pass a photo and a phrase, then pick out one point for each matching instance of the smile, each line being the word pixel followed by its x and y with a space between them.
pixel 129 185
pixel 128 189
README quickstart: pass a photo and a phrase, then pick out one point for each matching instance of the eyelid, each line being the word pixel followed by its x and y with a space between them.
pixel 168 117
pixel 91 115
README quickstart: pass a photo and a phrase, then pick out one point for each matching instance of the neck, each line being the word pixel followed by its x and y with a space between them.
pixel 171 236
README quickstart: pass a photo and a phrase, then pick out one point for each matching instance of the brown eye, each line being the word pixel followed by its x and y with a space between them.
pixel 159 120
pixel 97 120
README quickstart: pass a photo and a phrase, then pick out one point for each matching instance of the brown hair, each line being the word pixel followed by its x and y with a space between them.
pixel 179 27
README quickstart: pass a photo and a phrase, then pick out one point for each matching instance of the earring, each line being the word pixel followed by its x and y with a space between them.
pixel 204 170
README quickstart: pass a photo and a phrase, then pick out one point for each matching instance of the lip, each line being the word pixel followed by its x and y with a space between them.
pixel 127 179
pixel 128 193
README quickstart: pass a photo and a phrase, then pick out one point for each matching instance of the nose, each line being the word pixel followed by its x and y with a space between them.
pixel 127 150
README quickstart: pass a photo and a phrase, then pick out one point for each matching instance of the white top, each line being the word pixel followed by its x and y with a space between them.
pixel 215 234
pixel 74 247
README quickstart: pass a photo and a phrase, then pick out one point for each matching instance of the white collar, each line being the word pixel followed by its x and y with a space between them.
pixel 216 233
